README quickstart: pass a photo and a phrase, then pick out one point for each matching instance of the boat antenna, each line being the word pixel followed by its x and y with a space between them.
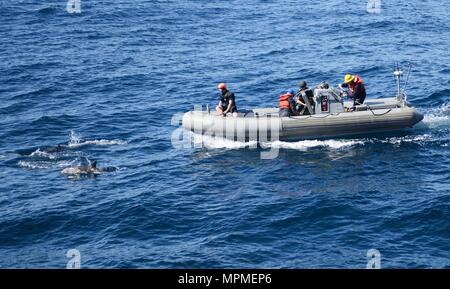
pixel 398 72
pixel 407 78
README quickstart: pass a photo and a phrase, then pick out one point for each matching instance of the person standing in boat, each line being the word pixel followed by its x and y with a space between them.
pixel 304 98
pixel 287 104
pixel 227 102
pixel 356 89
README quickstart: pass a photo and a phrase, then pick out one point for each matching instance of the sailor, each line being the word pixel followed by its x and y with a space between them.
pixel 356 89
pixel 287 104
pixel 304 98
pixel 227 102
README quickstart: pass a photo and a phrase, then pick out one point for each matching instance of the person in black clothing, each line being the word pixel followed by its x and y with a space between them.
pixel 302 93
pixel 227 101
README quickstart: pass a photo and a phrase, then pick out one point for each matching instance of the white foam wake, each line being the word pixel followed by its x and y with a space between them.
pixel 211 142
pixel 438 116
pixel 419 139
pixel 43 164
pixel 76 141
pixel 101 142
pixel 42 154
pixel 33 165
pixel 304 145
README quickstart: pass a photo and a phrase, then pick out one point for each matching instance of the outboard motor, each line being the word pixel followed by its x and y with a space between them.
pixel 327 100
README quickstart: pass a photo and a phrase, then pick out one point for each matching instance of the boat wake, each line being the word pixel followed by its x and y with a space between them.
pixel 304 145
pixel 211 142
pixel 437 117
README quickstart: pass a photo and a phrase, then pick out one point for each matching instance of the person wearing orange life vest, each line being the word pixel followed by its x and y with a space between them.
pixel 356 89
pixel 287 104
pixel 227 102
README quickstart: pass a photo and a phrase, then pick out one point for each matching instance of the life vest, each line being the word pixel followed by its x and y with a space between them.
pixel 284 101
pixel 356 81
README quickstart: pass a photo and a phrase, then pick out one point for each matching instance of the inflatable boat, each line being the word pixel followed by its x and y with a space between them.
pixel 330 116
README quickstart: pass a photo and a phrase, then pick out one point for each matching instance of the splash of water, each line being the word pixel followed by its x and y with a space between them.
pixel 43 164
pixel 438 116
pixel 76 141
pixel 42 154
pixel 74 138
pixel 211 142
pixel 304 145
pixel 101 142
pixel 33 165
pixel 419 139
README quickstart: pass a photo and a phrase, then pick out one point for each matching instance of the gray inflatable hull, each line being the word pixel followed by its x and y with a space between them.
pixel 264 124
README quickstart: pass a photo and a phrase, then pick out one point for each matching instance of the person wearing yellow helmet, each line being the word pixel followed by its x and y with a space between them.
pixel 356 89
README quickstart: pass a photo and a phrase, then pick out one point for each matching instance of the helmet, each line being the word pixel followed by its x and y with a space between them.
pixel 292 92
pixel 348 78
pixel 222 86
pixel 302 84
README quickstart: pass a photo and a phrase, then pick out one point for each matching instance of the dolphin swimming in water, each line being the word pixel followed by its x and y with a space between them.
pixel 91 170
pixel 46 149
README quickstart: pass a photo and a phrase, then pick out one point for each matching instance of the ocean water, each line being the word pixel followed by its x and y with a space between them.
pixel 106 84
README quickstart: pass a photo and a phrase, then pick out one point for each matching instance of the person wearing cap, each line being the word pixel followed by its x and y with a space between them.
pixel 356 89
pixel 287 104
pixel 303 95
pixel 227 102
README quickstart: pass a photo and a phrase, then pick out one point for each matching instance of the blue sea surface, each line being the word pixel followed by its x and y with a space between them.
pixel 108 83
